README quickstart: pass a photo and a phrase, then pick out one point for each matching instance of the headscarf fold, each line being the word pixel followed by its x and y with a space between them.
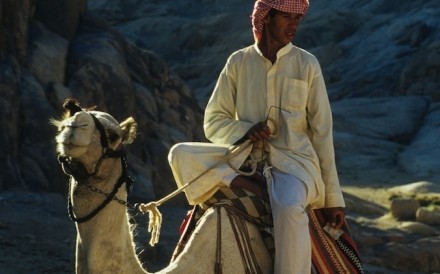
pixel 262 8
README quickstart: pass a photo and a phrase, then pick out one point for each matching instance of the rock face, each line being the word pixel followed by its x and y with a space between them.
pixel 158 61
pixel 380 70
pixel 52 59
pixel 380 61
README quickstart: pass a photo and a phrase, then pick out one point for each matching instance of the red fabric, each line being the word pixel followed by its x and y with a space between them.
pixel 262 8
pixel 329 255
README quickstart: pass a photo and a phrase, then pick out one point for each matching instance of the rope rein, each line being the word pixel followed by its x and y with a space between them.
pixel 155 217
pixel 218 251
pixel 237 219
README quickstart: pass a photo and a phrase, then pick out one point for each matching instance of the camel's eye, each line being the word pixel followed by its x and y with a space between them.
pixel 112 136
pixel 83 126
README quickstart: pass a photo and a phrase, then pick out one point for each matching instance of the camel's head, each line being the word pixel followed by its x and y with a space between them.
pixel 84 130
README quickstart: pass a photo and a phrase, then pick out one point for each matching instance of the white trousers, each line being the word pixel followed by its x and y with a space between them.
pixel 288 199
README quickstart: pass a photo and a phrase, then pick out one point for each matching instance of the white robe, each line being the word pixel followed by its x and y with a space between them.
pixel 291 93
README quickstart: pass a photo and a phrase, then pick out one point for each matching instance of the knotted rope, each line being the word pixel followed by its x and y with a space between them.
pixel 237 220
pixel 155 217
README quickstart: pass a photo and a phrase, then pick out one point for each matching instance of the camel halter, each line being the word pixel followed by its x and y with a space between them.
pixel 83 176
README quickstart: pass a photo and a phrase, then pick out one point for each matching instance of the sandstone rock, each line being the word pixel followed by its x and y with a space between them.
pixel 404 208
pixel 386 118
pixel 357 152
pixel 365 240
pixel 429 217
pixel 415 158
pixel 419 229
pixel 56 94
pixel 47 55
pixel 61 16
pixel 358 206
pixel 15 16
pixel 327 54
pixel 34 108
pixel 411 32
pixel 420 74
pixel 415 188
pixel 143 188
pixel 419 256
pixel 326 25
pixel 9 116
pixel 33 175
pixel 373 131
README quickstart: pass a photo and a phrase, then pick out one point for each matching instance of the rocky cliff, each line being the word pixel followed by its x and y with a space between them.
pixel 380 60
pixel 53 50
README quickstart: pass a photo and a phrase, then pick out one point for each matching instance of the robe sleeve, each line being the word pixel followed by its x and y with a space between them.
pixel 319 117
pixel 220 124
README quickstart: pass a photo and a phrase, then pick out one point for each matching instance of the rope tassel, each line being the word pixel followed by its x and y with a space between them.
pixel 155 220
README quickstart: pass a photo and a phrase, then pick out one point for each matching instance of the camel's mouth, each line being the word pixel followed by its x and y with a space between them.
pixel 71 150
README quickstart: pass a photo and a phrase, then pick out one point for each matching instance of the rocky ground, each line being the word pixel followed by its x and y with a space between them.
pixel 36 236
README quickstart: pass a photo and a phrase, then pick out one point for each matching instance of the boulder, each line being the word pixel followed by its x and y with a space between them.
pixel 418 229
pixel 426 216
pixel 404 208
pixel 419 256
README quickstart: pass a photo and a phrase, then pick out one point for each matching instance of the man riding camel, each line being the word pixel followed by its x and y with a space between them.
pixel 273 93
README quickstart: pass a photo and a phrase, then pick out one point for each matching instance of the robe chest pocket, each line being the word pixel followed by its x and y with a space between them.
pixel 294 94
pixel 294 100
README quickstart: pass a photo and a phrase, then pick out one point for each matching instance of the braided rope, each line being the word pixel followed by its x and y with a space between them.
pixel 237 219
pixel 155 220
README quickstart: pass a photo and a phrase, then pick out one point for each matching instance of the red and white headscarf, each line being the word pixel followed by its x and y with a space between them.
pixel 262 8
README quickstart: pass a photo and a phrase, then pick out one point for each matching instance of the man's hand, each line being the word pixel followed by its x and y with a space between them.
pixel 335 216
pixel 258 132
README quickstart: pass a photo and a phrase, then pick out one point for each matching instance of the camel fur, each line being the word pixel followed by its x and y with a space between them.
pixel 105 242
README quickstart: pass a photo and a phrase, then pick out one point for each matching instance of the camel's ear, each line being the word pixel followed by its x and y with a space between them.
pixel 129 129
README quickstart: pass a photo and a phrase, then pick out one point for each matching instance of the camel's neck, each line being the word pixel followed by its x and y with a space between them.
pixel 104 243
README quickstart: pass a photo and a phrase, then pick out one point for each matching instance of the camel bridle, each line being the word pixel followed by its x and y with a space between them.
pixel 79 174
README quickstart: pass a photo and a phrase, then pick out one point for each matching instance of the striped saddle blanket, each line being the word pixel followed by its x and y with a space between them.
pixel 329 256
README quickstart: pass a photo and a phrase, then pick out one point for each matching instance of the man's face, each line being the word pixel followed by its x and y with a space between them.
pixel 281 26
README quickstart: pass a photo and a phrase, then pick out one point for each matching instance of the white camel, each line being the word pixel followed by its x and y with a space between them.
pixel 89 144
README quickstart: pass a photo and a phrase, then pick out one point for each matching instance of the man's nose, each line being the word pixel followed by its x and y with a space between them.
pixel 294 20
